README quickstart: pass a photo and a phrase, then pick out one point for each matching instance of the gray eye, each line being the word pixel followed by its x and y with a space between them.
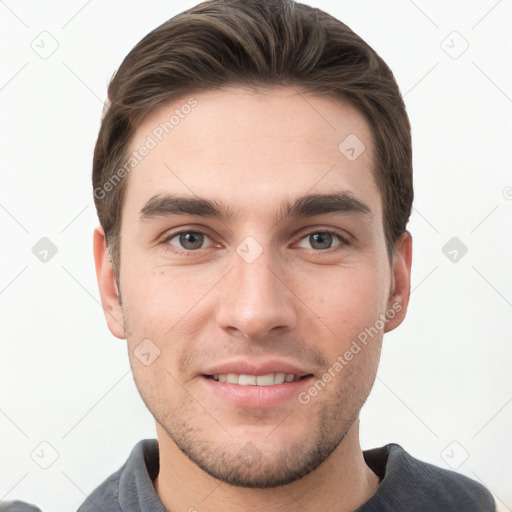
pixel 320 240
pixel 189 240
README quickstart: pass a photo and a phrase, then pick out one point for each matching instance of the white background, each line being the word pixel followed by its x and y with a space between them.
pixel 445 374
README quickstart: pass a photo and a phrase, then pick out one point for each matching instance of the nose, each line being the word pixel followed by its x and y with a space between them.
pixel 256 302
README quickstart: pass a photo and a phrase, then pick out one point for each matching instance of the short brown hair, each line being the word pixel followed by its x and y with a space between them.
pixel 266 43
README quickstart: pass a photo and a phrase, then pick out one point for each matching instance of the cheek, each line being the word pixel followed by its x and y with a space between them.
pixel 345 302
pixel 160 300
pixel 165 313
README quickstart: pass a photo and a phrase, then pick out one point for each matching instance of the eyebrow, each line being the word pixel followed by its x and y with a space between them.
pixel 311 205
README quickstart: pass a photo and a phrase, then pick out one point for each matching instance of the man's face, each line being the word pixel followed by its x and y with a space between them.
pixel 210 303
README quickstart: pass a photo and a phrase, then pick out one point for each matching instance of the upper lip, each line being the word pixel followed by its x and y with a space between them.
pixel 243 367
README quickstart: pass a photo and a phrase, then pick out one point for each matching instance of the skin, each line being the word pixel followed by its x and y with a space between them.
pixel 252 150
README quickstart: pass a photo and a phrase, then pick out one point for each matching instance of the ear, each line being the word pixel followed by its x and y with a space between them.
pixel 107 285
pixel 400 288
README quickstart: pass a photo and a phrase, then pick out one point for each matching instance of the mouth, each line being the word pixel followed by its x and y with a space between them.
pixel 272 384
pixel 269 379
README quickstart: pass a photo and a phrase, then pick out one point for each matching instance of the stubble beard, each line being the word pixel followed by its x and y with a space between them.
pixel 246 465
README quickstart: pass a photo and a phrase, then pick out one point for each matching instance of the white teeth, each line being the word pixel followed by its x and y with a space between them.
pixel 255 380
pixel 232 378
pixel 247 380
pixel 279 378
pixel 265 380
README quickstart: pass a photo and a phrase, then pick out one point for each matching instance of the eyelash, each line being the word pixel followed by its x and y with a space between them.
pixel 192 252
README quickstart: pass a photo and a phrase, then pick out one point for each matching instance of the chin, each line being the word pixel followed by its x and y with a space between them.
pixel 254 461
pixel 251 469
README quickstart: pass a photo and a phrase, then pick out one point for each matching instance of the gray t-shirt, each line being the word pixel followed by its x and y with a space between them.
pixel 17 506
pixel 407 484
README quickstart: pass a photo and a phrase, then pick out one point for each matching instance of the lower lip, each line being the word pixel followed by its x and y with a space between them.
pixel 256 397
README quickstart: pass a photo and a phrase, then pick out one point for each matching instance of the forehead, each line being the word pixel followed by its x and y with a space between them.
pixel 251 147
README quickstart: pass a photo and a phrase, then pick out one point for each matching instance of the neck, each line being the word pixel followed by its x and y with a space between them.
pixel 341 483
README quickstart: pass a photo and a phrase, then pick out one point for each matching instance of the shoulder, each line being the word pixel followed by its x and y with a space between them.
pixel 106 496
pixel 17 506
pixel 130 486
pixel 411 484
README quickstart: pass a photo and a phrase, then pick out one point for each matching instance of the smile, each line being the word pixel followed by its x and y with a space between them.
pixel 255 380
pixel 256 390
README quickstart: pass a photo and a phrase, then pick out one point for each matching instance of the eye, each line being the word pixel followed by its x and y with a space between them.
pixel 322 240
pixel 188 240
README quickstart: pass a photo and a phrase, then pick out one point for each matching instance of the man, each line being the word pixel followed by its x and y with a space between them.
pixel 253 182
